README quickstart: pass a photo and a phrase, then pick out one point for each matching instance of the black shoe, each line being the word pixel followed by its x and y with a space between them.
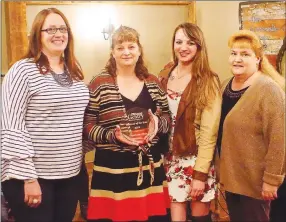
pixel 206 218
pixel 83 210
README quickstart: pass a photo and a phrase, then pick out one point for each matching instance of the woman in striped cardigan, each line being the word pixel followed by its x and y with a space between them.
pixel 128 176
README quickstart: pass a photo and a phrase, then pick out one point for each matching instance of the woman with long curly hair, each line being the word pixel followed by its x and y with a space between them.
pixel 195 103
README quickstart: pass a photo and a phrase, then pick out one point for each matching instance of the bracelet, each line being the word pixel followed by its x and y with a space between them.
pixel 30 180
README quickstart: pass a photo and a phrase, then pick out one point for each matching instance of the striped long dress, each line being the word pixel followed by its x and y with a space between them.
pixel 115 194
pixel 41 125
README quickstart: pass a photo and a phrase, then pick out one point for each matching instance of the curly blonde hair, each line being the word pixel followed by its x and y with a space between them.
pixel 248 39
pixel 127 34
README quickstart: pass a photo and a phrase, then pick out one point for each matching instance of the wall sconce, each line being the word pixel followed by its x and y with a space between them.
pixel 108 30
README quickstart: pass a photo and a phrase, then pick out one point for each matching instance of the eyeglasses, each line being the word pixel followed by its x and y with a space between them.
pixel 54 30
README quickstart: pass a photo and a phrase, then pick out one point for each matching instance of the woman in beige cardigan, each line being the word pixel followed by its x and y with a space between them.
pixel 251 134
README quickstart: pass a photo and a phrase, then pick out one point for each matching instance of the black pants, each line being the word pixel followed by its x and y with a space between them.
pixel 243 208
pixel 83 181
pixel 278 206
pixel 4 209
pixel 59 200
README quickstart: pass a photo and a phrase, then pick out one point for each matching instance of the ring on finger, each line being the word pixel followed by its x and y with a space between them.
pixel 35 201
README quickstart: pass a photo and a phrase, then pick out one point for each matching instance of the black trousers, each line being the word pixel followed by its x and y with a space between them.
pixel 243 208
pixel 59 200
pixel 83 181
pixel 278 206
pixel 4 210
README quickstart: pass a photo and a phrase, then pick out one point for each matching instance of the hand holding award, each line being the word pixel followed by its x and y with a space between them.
pixel 137 128
pixel 153 127
pixel 124 138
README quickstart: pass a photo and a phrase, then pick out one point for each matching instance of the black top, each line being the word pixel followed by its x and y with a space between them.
pixel 229 99
pixel 144 100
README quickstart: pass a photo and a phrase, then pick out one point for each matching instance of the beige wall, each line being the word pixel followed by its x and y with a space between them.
pixel 218 20
pixel 155 25
pixel 3 56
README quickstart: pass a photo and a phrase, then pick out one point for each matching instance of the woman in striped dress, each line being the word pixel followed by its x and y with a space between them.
pixel 128 182
pixel 43 103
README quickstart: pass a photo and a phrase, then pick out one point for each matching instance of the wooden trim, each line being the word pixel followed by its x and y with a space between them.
pixel 16 21
pixel 191 4
pixel 257 2
pixel 109 2
pixel 192 12
pixel 16 30
pixel 8 42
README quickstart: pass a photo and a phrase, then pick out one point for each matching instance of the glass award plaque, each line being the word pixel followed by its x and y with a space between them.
pixel 135 124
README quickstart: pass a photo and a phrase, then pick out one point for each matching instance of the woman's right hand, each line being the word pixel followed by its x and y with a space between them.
pixel 124 138
pixel 33 193
pixel 269 192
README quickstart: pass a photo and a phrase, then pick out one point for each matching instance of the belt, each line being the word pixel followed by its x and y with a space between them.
pixel 151 167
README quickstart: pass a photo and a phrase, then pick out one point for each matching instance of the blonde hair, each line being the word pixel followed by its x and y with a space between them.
pixel 207 81
pixel 127 34
pixel 248 39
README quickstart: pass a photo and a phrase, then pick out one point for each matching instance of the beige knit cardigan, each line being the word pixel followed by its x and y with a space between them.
pixel 253 145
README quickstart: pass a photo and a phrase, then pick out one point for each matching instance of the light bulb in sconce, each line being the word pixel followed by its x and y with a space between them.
pixel 108 30
pixel 94 21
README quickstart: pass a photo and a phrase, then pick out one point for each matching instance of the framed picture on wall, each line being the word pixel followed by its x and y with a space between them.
pixel 267 20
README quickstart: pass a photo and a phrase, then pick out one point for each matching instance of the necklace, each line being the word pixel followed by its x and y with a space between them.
pixel 64 79
pixel 172 77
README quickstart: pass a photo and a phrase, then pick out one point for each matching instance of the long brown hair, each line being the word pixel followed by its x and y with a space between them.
pixel 208 84
pixel 35 46
pixel 124 34
pixel 248 39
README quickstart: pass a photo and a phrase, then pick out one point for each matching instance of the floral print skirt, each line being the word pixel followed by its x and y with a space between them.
pixel 179 172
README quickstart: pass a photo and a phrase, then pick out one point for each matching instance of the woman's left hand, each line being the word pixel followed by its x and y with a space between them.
pixel 153 127
pixel 197 188
pixel 269 192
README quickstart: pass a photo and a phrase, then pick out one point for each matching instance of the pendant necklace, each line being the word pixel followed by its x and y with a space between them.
pixel 172 77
